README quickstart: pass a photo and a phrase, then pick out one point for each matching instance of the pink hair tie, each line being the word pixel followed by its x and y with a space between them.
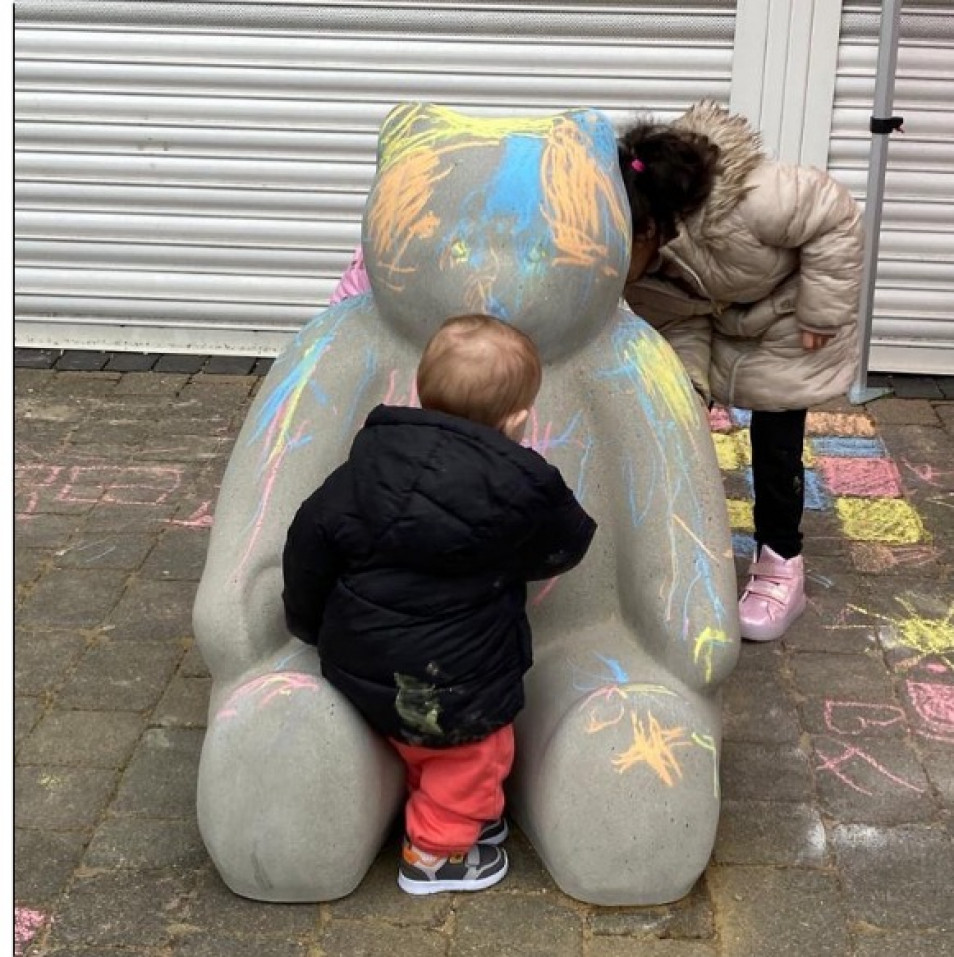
pixel 637 165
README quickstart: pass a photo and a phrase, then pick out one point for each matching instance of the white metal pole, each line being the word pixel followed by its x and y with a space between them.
pixel 882 125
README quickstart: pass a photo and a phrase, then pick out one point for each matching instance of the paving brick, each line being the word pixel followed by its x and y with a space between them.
pixel 125 908
pixel 379 894
pixel 132 361
pixel 121 676
pixel 151 383
pixel 688 919
pixel 26 713
pixel 756 707
pixel 893 411
pixel 87 739
pixel 179 555
pixel 915 387
pixel 761 772
pixel 74 385
pixel 146 844
pixel 219 912
pixel 904 945
pixel 60 798
pixel 160 780
pixel 74 597
pixel 229 365
pixel 184 448
pixel 871 781
pixel 206 945
pixel 936 758
pixel 43 862
pixel 187 364
pixel 764 832
pixel 753 921
pixel 82 360
pixel 94 549
pixel 262 367
pixel 154 611
pixel 192 664
pixel 29 563
pixel 42 659
pixel 853 677
pixel 43 531
pixel 35 358
pixel 496 922
pixel 370 938
pixel 185 703
pixel 624 947
pixel 897 878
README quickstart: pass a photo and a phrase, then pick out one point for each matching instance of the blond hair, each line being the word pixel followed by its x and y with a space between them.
pixel 479 368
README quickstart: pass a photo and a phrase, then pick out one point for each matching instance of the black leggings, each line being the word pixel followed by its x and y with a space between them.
pixel 778 476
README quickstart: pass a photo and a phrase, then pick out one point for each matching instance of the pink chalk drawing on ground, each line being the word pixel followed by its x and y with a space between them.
pixel 96 484
pixel 853 763
pixel 933 703
pixel 27 924
pixel 857 717
pixel 200 518
pixel 862 477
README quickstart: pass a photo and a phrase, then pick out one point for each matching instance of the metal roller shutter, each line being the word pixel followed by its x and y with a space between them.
pixel 191 176
pixel 913 329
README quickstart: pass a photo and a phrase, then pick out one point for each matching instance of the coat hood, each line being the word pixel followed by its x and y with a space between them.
pixel 441 492
pixel 740 152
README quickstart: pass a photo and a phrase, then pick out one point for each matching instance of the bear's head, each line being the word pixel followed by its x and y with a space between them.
pixel 522 218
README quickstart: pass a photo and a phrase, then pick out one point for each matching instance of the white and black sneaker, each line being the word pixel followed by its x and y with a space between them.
pixel 494 832
pixel 421 873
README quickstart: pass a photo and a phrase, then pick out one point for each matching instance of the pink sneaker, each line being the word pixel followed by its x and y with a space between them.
pixel 774 596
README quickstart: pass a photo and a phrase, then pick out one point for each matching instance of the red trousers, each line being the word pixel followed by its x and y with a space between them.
pixel 453 792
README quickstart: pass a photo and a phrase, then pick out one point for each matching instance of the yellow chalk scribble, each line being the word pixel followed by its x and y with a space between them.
pixel 927 637
pixel 740 514
pixel 705 645
pixel 879 520
pixel 653 745
pixel 657 368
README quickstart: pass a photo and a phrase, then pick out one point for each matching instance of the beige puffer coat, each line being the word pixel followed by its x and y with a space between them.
pixel 775 250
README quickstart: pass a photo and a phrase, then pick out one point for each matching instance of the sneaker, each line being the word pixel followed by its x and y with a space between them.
pixel 774 596
pixel 421 873
pixel 494 832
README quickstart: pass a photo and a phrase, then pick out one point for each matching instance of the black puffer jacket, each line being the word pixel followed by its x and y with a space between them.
pixel 408 569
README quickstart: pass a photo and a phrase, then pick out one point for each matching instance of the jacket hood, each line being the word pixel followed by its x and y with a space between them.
pixel 441 492
pixel 740 152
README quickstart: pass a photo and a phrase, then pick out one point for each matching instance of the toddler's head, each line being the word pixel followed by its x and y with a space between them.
pixel 481 369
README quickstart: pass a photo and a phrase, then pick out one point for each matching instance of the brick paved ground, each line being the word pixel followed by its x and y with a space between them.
pixel 838 767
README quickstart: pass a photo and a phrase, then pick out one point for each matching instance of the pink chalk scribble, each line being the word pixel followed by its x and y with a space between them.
pixel 266 688
pixel 934 705
pixel 856 717
pixel 200 518
pixel 861 477
pixel 402 396
pixel 928 474
pixel 27 924
pixel 720 420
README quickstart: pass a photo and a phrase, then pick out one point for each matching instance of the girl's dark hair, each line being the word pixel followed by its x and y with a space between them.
pixel 672 178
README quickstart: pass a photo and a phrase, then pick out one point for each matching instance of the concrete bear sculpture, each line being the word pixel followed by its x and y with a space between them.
pixel 617 775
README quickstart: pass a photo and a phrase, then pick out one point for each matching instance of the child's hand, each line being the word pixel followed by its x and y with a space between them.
pixel 815 340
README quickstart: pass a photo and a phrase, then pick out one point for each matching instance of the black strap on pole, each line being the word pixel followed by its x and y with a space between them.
pixel 885 125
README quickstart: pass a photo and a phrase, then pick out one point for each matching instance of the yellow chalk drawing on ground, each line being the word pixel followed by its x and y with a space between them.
pixel 926 636
pixel 740 514
pixel 653 745
pixel 840 424
pixel 732 450
pixel 705 645
pixel 808 454
pixel 879 520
